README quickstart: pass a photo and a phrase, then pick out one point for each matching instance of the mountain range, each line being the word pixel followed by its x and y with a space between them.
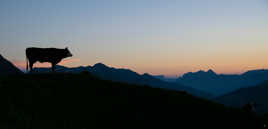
pixel 220 84
pixel 230 90
pixel 206 84
pixel 126 76
pixel 7 68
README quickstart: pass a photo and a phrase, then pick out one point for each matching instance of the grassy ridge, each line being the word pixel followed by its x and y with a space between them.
pixel 67 101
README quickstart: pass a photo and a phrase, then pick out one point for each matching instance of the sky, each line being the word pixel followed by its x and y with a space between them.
pixel 168 37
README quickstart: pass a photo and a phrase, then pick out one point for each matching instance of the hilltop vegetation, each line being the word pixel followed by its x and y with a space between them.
pixel 81 101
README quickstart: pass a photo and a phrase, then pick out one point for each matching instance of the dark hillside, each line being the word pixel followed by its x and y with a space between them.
pixel 81 101
pixel 239 98
pixel 7 68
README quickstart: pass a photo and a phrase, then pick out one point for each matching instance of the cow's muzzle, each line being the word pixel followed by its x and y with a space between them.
pixel 69 55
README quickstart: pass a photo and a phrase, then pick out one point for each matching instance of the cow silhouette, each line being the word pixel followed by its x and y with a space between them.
pixel 51 55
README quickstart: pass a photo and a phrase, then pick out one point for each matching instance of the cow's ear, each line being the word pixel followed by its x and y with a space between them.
pixel 66 48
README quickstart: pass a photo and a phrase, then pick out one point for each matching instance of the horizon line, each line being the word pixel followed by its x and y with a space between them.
pixel 47 65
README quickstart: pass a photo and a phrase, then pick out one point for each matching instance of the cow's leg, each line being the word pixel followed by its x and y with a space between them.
pixel 53 66
pixel 31 65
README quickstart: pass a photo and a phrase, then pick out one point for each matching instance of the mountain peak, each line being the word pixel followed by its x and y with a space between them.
pixel 211 71
pixel 200 71
pixel 200 74
pixel 100 65
pixel 146 74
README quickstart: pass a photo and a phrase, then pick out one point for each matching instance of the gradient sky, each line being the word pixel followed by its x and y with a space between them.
pixel 167 37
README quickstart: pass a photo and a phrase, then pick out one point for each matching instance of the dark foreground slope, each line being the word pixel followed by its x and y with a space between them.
pixel 7 68
pixel 255 94
pixel 66 101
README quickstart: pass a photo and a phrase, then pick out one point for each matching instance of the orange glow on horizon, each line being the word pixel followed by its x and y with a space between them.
pixel 22 64
pixel 221 65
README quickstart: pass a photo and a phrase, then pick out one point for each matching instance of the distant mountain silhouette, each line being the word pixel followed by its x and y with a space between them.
pixel 256 94
pixel 219 84
pixel 7 68
pixel 127 76
pixel 164 78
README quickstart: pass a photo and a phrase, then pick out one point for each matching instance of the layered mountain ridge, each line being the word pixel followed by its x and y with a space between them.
pixel 219 84
pixel 127 76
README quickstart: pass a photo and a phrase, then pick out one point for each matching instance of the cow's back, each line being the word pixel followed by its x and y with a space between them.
pixel 41 54
pixel 35 52
pixel 51 55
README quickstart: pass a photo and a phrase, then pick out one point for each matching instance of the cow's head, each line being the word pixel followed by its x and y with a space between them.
pixel 67 52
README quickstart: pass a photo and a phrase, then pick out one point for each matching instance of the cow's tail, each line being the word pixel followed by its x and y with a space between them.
pixel 27 64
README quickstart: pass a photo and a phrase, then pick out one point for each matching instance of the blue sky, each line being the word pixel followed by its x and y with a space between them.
pixel 155 36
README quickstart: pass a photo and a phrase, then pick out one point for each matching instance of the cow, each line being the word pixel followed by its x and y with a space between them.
pixel 51 55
